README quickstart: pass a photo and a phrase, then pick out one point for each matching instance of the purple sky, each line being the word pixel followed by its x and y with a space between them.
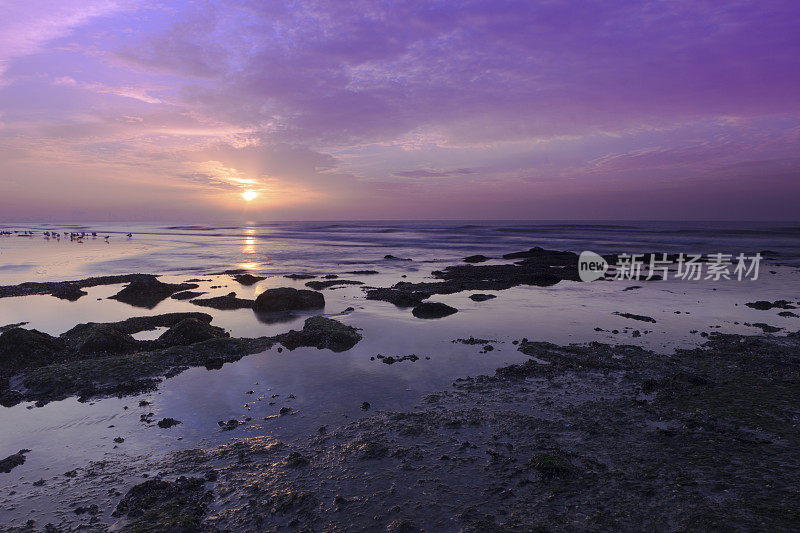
pixel 541 109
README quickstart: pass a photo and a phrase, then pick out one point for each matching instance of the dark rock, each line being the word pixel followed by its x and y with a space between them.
pixel 766 328
pixel 400 298
pixel 229 425
pixel 371 450
pixel 68 291
pixel 27 348
pixel 157 505
pixel 476 259
pixel 481 297
pixel 300 276
pixel 186 295
pixel 363 272
pixel 98 339
pixel 550 257
pixel 763 305
pixel 147 291
pixel 190 331
pixel 403 526
pixel 288 299
pixel 248 279
pixel 296 460
pixel 319 285
pixel 225 303
pixel 365 406
pixel 390 257
pixel 641 318
pixel 13 461
pixel 168 423
pixel 321 332
pixel 119 440
pixel 787 314
pixel 433 310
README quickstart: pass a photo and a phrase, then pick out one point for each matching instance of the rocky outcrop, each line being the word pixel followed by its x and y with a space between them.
pixel 433 310
pixel 321 332
pixel 147 291
pixel 288 299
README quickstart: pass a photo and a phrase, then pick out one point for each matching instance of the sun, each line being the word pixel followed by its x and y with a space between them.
pixel 249 195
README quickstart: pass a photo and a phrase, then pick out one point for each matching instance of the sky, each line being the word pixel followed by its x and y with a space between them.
pixel 323 110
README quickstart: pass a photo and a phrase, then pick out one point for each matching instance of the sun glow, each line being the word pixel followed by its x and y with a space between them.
pixel 249 195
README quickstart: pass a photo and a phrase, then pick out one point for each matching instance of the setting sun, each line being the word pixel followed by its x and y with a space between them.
pixel 249 195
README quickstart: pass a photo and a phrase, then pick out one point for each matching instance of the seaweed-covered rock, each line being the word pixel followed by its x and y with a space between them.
pixel 186 295
pixel 322 332
pixel 400 298
pixel 189 331
pixel 224 303
pixel 166 423
pixel 288 299
pixel 248 279
pixel 146 291
pixel 157 505
pixel 12 461
pixel 476 259
pixel 433 310
pixel 319 285
pixel 25 348
pixel 98 339
pixel 68 291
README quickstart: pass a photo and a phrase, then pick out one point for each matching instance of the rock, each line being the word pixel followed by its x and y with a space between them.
pixel 189 331
pixel 186 295
pixel 147 291
pixel 229 425
pixel 397 297
pixel 363 272
pixel 166 423
pixel 365 406
pixel 248 279
pixel 390 257
pixel 224 303
pixel 787 314
pixel 300 276
pixel 641 318
pixel 68 291
pixel 476 259
pixel 296 460
pixel 288 299
pixel 403 526
pixel 550 257
pixel 319 285
pixel 321 332
pixel 25 348
pixel 371 450
pixel 433 310
pixel 481 297
pixel 157 505
pixel 13 461
pixel 766 328
pixel 763 305
pixel 98 339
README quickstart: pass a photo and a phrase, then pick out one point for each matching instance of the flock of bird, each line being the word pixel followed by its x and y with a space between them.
pixel 47 235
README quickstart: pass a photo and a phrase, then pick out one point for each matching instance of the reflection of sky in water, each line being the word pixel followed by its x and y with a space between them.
pixel 328 387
